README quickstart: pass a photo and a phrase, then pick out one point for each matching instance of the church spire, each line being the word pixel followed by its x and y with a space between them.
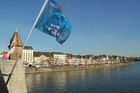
pixel 16 30
pixel 16 39
pixel 17 43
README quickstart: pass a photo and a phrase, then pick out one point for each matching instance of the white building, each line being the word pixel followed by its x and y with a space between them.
pixel 42 59
pixel 83 61
pixel 60 59
pixel 27 55
pixel 75 60
pixel 37 60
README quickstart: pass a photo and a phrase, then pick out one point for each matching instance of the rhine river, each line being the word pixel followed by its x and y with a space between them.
pixel 124 79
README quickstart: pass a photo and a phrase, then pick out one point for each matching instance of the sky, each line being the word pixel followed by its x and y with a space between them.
pixel 110 27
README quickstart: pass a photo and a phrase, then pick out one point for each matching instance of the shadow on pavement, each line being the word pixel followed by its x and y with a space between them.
pixel 3 88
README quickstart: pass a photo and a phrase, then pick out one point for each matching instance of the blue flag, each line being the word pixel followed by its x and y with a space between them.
pixel 54 22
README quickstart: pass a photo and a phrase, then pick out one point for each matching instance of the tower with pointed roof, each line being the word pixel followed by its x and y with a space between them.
pixel 18 45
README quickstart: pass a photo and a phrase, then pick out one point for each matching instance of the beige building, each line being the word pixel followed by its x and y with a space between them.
pixel 60 59
pixel 42 59
pixel 27 55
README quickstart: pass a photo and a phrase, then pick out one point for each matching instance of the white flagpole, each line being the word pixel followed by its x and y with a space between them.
pixel 26 41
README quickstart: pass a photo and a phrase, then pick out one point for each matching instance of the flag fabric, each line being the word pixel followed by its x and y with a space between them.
pixel 54 22
pixel 4 56
pixel 11 50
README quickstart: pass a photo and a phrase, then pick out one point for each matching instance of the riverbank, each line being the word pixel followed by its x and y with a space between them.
pixel 121 79
pixel 73 68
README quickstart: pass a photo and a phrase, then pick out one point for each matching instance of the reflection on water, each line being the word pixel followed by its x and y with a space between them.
pixel 124 79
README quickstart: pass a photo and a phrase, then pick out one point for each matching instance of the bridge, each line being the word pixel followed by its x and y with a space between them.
pixel 17 83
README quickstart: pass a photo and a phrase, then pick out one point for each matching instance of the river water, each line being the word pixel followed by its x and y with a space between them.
pixel 124 79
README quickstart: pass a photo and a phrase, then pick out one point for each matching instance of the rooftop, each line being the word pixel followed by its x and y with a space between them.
pixel 28 47
pixel 38 54
pixel 16 39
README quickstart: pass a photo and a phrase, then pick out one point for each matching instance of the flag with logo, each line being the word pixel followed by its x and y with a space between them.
pixel 54 22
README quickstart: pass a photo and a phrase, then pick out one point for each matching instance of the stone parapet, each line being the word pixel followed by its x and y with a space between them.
pixel 17 83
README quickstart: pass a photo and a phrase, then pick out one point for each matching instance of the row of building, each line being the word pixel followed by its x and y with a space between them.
pixel 46 59
pixel 59 59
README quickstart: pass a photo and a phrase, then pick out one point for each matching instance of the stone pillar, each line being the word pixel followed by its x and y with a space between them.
pixel 14 55
pixel 17 83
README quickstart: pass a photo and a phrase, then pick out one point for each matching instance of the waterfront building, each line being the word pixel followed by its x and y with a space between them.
pixel 126 59
pixel 75 60
pixel 105 59
pixel 94 60
pixel 43 59
pixel 91 61
pixel 109 60
pixel 117 60
pixel 86 60
pixel 71 60
pixel 27 55
pixel 60 58
pixel 83 61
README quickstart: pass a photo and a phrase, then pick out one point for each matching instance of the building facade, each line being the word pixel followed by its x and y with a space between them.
pixel 60 59
pixel 27 55
pixel 18 46
pixel 42 59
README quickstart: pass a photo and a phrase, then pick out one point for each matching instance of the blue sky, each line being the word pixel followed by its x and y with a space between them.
pixel 109 27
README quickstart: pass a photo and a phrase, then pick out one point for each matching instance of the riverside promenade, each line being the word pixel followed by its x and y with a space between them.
pixel 73 68
pixel 17 83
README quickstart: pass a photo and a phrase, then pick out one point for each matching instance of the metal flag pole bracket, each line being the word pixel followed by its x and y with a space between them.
pixel 3 75
pixel 10 74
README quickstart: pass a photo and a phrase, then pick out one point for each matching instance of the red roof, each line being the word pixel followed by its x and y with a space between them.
pixel 16 39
